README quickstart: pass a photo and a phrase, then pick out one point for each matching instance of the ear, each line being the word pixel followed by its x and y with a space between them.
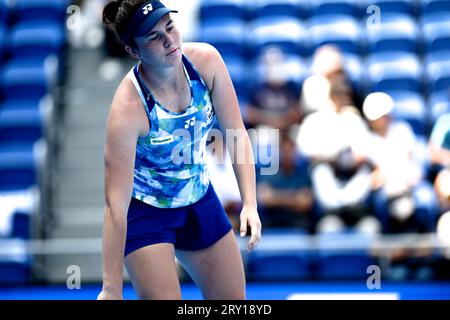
pixel 132 51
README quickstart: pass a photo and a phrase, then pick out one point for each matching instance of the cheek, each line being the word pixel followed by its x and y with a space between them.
pixel 148 50
pixel 177 36
pixel 380 124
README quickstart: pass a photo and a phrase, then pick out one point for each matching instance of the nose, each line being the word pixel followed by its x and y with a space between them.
pixel 168 41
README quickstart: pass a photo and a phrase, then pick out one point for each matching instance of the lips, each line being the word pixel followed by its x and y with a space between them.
pixel 173 51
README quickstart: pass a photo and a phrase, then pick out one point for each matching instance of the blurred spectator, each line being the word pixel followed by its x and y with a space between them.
pixel 443 232
pixel 332 138
pixel 329 63
pixel 442 265
pixel 273 102
pixel 440 141
pixel 341 95
pixel 315 94
pixel 439 145
pixel 390 149
pixel 442 188
pixel 286 197
pixel 86 30
pixel 85 26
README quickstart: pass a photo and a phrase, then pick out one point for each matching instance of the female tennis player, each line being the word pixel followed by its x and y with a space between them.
pixel 159 202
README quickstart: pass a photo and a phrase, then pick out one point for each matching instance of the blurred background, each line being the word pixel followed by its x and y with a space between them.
pixel 359 92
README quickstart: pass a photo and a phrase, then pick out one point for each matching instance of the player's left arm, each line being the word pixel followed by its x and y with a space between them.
pixel 229 117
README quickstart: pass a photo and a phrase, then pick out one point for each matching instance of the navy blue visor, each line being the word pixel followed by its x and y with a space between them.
pixel 145 19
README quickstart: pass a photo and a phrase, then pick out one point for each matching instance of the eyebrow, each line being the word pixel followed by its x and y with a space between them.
pixel 155 32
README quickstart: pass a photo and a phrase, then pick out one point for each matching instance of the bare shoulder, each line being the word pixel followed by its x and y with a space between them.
pixel 205 57
pixel 200 50
pixel 127 108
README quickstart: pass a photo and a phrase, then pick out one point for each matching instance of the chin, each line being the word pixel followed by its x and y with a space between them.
pixel 174 58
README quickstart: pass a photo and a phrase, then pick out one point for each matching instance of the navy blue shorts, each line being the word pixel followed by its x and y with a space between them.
pixel 193 227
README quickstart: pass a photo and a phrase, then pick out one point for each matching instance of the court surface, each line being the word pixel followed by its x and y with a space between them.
pixel 256 291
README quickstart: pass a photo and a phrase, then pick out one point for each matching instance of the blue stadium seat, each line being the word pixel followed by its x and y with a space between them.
pixel 332 7
pixel 3 44
pixel 220 9
pixel 52 10
pixel 44 107
pixel 226 35
pixel 21 126
pixel 340 30
pixel 410 107
pixel 293 67
pixel 438 104
pixel 272 31
pixel 426 206
pixel 288 8
pixel 334 262
pixel 436 33
pixel 396 32
pixel 438 76
pixel 394 6
pixel 437 57
pixel 433 17
pixel 18 208
pixel 18 168
pixel 37 39
pixel 394 71
pixel 435 6
pixel 21 225
pixel 296 70
pixel 280 257
pixel 15 263
pixel 22 168
pixel 20 104
pixel 4 12
pixel 26 79
pixel 434 62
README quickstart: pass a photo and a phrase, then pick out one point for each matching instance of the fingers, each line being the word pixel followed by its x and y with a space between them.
pixel 255 228
pixel 256 235
pixel 243 226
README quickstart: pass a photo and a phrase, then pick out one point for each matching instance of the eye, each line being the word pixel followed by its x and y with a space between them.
pixel 169 29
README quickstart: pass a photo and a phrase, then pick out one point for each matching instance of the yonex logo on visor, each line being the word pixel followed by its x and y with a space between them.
pixel 145 19
pixel 148 8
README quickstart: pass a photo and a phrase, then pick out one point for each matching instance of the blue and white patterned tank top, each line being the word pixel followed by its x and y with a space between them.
pixel 170 170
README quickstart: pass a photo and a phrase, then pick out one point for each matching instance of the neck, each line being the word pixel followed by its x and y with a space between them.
pixel 163 79
pixel 382 132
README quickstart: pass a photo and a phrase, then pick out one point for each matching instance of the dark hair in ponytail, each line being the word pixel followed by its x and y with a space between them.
pixel 120 13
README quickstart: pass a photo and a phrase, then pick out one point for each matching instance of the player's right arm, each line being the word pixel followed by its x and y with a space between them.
pixel 123 129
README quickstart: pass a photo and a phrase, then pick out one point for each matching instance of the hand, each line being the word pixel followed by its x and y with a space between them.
pixel 106 295
pixel 249 217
